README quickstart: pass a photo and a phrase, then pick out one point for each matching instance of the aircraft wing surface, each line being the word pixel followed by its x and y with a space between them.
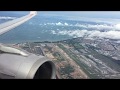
pixel 5 27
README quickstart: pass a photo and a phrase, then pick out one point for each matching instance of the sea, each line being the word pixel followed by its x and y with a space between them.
pixel 42 27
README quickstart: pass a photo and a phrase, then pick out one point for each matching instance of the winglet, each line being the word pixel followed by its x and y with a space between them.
pixel 33 12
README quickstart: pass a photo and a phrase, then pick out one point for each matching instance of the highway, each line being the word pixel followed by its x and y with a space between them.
pixel 5 27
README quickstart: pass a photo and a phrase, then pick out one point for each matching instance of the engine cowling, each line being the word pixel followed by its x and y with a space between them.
pixel 13 66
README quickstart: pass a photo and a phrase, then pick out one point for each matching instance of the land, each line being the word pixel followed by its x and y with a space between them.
pixel 80 58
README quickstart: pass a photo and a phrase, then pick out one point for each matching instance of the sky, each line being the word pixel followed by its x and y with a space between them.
pixel 111 17
pixel 97 16
pixel 92 14
pixel 110 28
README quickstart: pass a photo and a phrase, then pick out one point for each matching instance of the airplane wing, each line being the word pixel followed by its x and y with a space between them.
pixel 17 64
pixel 5 27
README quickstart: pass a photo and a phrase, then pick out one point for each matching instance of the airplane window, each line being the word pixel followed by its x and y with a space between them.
pixel 81 44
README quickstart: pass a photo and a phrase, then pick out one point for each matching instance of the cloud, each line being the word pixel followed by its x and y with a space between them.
pixel 100 26
pixel 110 34
pixel 75 33
pixel 89 26
pixel 6 18
pixel 53 32
pixel 58 24
pixel 90 34
pixel 117 26
pixel 66 24
pixel 111 31
pixel 96 27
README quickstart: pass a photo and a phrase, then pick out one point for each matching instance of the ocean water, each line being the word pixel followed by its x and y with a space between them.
pixel 46 27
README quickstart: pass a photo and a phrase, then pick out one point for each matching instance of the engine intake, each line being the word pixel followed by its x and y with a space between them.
pixel 14 66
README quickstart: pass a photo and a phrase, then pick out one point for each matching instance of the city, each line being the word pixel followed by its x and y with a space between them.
pixel 80 58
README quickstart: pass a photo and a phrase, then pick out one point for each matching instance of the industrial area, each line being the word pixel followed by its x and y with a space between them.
pixel 79 58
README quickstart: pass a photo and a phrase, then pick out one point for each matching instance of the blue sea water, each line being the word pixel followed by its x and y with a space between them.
pixel 38 28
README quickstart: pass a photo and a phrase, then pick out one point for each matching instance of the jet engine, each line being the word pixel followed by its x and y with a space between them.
pixel 18 64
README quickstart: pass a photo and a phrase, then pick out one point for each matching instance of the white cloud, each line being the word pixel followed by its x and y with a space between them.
pixel 53 32
pixel 89 26
pixel 112 31
pixel 117 26
pixel 66 24
pixel 110 34
pixel 96 27
pixel 2 17
pixel 58 24
pixel 91 34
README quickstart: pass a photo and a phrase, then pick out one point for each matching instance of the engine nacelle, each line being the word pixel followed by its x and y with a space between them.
pixel 13 66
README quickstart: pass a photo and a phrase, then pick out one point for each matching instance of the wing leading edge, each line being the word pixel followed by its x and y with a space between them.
pixel 5 27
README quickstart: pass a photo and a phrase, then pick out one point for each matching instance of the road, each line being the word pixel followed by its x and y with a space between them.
pixel 5 27
pixel 78 73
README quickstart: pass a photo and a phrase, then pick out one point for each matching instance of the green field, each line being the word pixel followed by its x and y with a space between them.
pixel 67 70
pixel 84 67
pixel 58 56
